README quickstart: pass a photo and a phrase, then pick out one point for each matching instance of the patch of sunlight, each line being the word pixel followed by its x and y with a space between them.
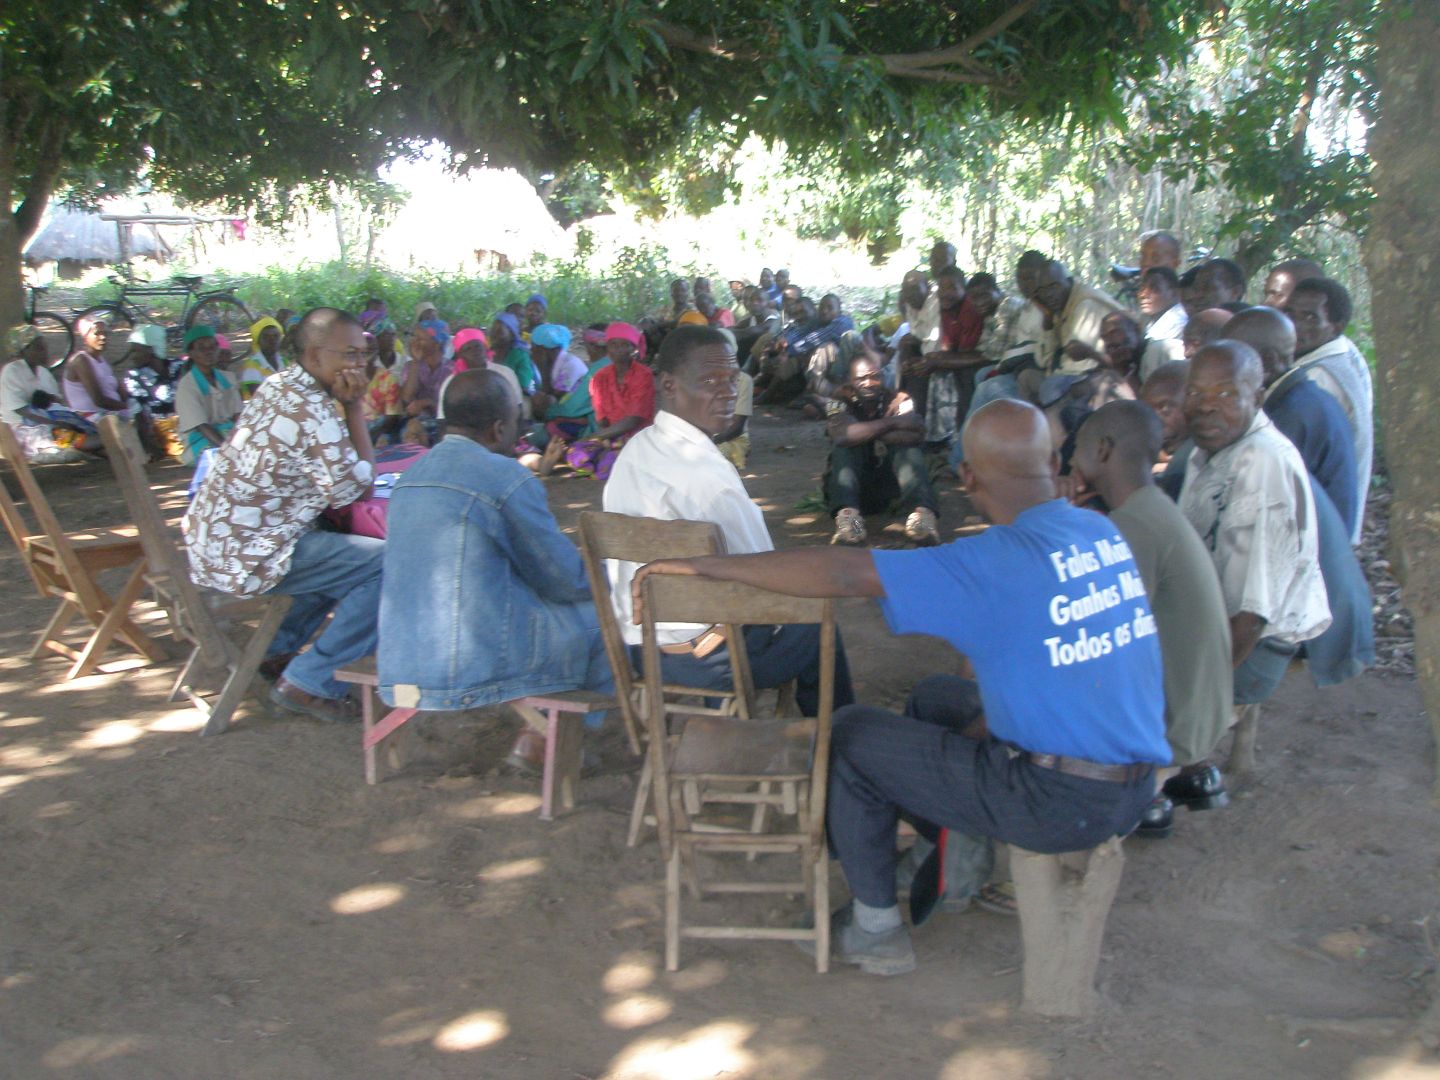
pixel 995 1063
pixel 963 1028
pixel 14 982
pixel 367 898
pixel 473 1031
pixel 510 871
pixel 515 804
pixel 716 1049
pixel 115 733
pixel 57 809
pixel 698 976
pixel 484 806
pixel 1406 1065
pixel 89 1050
pixel 25 756
pixel 637 1010
pixel 8 783
pixel 400 845
pixel 633 971
pixel 177 720
pixel 21 721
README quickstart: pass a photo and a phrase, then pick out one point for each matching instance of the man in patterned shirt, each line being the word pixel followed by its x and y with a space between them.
pixel 300 447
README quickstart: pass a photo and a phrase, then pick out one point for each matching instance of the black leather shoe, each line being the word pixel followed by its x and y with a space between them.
pixel 1158 821
pixel 1203 789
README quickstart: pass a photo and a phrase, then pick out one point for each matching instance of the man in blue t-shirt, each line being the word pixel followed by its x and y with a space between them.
pixel 1056 751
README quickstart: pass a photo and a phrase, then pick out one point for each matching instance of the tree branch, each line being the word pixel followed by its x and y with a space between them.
pixel 42 178
pixel 902 63
pixel 680 38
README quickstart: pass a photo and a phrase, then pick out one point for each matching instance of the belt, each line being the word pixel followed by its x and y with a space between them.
pixel 1090 770
pixel 700 646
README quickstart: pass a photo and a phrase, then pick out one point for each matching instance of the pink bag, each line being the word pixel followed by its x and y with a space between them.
pixel 367 517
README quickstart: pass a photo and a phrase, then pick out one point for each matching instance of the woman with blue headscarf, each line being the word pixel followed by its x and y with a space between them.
pixel 505 343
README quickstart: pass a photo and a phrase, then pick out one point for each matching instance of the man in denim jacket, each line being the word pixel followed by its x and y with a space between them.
pixel 484 600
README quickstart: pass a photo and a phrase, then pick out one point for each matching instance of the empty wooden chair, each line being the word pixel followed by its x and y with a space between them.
pixel 642 540
pixel 66 566
pixel 789 752
pixel 204 618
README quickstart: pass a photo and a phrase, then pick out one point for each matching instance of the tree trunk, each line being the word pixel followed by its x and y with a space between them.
pixel 1402 253
pixel 12 283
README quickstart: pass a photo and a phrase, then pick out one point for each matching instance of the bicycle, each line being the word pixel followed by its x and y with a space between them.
pixel 219 308
pixel 55 330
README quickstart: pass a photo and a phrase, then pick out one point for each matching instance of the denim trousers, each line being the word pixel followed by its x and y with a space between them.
pixel 330 572
pixel 883 765
pixel 777 655
pixel 862 478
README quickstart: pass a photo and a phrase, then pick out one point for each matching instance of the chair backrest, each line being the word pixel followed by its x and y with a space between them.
pixel 168 567
pixel 638 540
pixel 20 532
pixel 76 577
pixel 676 598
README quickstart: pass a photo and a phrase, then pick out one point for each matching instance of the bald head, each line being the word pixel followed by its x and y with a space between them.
pixel 478 400
pixel 1203 328
pixel 1270 333
pixel 1008 441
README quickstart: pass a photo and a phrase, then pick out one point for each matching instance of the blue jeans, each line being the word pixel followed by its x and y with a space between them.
pixel 986 391
pixel 1262 672
pixel 883 765
pixel 777 655
pixel 330 572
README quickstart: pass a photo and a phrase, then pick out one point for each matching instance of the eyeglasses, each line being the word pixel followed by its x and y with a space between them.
pixel 352 356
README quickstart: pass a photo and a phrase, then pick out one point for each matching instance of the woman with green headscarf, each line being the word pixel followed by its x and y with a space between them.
pixel 206 402
pixel 266 333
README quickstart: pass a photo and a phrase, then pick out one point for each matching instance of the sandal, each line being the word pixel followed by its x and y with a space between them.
pixel 998 897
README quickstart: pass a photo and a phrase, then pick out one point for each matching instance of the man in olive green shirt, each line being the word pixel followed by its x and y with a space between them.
pixel 1115 455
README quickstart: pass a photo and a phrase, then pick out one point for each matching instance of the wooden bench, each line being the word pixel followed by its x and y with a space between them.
pixel 1064 901
pixel 559 716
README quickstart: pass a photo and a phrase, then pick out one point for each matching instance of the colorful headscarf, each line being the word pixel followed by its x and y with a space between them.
pixel 258 327
pixel 222 342
pixel 373 315
pixel 198 331
pixel 511 323
pixel 151 335
pixel 381 325
pixel 19 338
pixel 436 329
pixel 593 337
pixel 550 336
pixel 692 318
pixel 625 332
pixel 422 307
pixel 466 336
pixel 538 298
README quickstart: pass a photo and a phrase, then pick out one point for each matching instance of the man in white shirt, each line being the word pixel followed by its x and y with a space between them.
pixel 1320 308
pixel 1159 297
pixel 673 470
pixel 1248 496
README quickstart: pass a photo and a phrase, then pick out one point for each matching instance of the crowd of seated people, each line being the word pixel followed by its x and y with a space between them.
pixel 1174 493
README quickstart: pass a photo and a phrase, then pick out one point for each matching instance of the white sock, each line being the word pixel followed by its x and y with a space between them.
pixel 876 920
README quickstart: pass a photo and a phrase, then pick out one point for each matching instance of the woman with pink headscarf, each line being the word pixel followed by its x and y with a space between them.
pixel 623 394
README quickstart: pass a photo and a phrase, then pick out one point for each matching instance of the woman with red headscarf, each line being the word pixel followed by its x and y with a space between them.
pixel 624 398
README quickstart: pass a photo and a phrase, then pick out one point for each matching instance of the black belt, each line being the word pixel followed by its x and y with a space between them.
pixel 1089 770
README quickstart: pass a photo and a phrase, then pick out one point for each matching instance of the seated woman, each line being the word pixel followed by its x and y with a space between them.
pixel 30 403
pixel 562 404
pixel 265 360
pixel 206 401
pixel 505 341
pixel 90 385
pixel 150 380
pixel 420 388
pixel 472 353
pixel 381 400
pixel 623 396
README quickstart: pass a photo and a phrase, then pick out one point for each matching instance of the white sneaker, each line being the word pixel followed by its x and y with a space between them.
pixel 920 528
pixel 849 528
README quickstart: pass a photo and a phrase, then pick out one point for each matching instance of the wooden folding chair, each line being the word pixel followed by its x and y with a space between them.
pixel 203 618
pixel 66 566
pixel 794 753
pixel 641 540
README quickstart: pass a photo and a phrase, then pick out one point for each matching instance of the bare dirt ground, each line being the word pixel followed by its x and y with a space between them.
pixel 245 906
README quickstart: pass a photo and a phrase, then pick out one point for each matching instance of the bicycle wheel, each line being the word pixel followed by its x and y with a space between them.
pixel 120 324
pixel 56 333
pixel 228 316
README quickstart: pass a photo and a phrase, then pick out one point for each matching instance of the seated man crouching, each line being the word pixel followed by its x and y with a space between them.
pixel 483 600
pixel 876 459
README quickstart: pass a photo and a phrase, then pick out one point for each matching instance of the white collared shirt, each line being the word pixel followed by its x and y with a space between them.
pixel 1169 325
pixel 1252 506
pixel 673 471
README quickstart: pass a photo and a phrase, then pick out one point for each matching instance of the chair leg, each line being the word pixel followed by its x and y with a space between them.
pixel 821 874
pixel 183 685
pixel 367 725
pixel 642 800
pixel 50 636
pixel 672 910
pixel 116 616
pixel 242 671
pixel 564 748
